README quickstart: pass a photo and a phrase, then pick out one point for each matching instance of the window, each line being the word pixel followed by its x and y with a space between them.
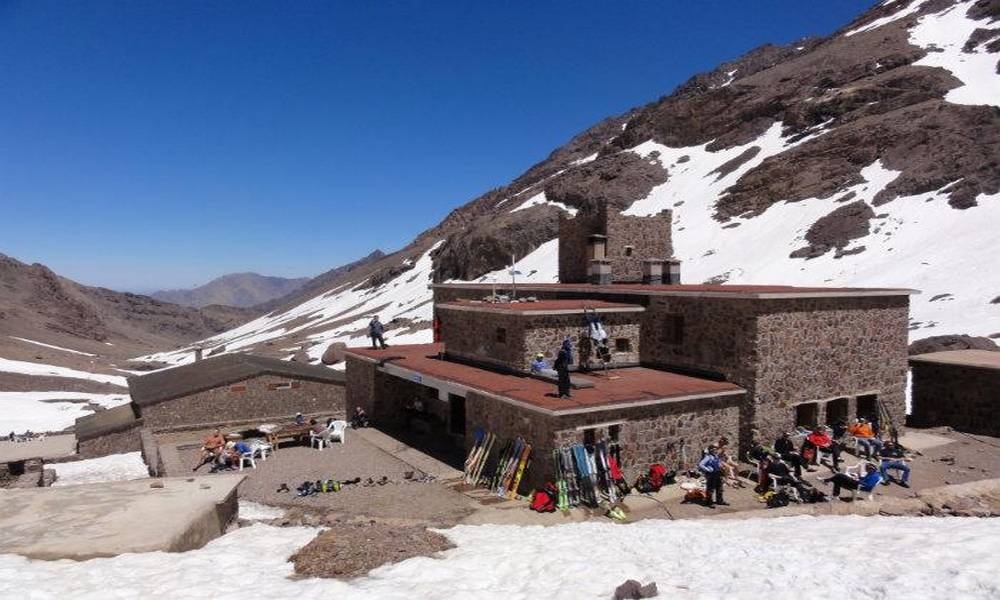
pixel 614 433
pixel 501 335
pixel 623 345
pixel 836 411
pixel 629 250
pixel 673 329
pixel 589 436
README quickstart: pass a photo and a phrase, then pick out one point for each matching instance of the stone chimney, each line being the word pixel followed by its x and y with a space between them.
pixel 600 271
pixel 652 271
pixel 197 353
pixel 672 274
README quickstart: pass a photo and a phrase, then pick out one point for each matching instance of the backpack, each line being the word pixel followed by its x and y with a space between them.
pixel 543 499
pixel 778 500
pixel 643 485
pixel 657 473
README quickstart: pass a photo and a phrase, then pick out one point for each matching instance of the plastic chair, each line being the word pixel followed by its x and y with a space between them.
pixel 337 430
pixel 247 457
pixel 319 440
pixel 857 471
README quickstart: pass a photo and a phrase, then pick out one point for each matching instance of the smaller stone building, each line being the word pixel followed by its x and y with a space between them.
pixel 220 391
pixel 958 388
pixel 654 416
pixel 509 335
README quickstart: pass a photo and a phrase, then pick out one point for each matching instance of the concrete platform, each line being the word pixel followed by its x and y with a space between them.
pixel 107 519
pixel 52 447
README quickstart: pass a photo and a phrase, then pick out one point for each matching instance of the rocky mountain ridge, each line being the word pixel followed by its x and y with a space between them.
pixel 243 290
pixel 867 158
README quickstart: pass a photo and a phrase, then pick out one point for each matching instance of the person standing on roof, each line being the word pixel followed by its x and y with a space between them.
pixel 376 331
pixel 563 359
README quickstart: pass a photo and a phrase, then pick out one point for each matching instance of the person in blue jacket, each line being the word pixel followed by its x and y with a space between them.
pixel 376 331
pixel 711 467
pixel 865 483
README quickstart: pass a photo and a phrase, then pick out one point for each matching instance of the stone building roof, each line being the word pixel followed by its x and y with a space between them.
pixel 216 371
pixel 541 307
pixel 706 290
pixel 105 422
pixel 982 359
pixel 615 388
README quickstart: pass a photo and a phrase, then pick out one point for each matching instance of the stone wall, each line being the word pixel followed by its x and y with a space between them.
pixel 473 336
pixel 648 237
pixel 574 253
pixel 630 239
pixel 965 398
pixel 359 385
pixel 258 399
pixel 546 333
pixel 822 348
pixel 670 433
pixel 116 442
pixel 507 421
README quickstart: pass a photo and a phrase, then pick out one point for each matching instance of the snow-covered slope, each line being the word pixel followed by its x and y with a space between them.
pixel 872 557
pixel 865 159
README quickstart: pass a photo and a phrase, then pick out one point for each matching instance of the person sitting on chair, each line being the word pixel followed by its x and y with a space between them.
pixel 541 366
pixel 211 448
pixel 300 419
pixel 865 483
pixel 819 439
pixel 777 468
pixel 863 432
pixel 892 457
pixel 360 418
pixel 786 449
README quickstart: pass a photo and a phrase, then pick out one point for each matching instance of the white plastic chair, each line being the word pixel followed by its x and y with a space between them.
pixel 319 440
pixel 338 431
pixel 245 458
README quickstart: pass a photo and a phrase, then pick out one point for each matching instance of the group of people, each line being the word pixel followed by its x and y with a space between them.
pixel 783 464
pixel 220 453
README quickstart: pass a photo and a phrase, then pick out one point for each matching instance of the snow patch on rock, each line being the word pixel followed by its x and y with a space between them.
pixel 944 35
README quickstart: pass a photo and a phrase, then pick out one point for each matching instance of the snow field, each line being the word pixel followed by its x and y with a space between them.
pixel 43 411
pixel 944 34
pixel 798 557
pixel 31 368
pixel 913 7
pixel 114 467
pixel 540 200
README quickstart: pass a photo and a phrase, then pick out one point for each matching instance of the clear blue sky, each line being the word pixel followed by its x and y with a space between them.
pixel 148 144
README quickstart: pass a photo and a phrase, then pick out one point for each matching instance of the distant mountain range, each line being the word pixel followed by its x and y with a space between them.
pixel 242 290
pixel 867 158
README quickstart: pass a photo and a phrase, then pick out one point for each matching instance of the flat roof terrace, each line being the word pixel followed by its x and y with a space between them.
pixel 541 307
pixel 980 359
pixel 707 291
pixel 615 388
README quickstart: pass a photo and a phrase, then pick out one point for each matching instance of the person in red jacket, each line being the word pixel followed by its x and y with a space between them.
pixel 819 439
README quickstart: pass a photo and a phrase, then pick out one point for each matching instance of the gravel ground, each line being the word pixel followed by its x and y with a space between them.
pixel 351 550
pixel 401 498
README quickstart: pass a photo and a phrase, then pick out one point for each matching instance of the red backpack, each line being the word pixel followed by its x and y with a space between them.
pixel 544 499
pixel 656 474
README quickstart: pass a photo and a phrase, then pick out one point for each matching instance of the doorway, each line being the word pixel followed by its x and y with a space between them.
pixel 807 415
pixel 837 411
pixel 456 418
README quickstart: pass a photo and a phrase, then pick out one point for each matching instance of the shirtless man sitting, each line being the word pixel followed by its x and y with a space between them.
pixel 211 448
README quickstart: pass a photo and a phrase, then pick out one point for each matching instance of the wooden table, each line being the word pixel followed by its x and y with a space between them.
pixel 288 432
